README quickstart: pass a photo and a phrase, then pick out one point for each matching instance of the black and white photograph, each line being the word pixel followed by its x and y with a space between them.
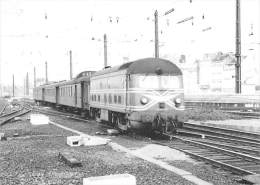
pixel 129 92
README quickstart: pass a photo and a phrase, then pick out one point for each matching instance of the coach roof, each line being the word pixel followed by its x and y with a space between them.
pixel 145 66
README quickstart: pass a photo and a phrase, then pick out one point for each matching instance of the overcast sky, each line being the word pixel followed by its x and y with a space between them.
pixel 35 31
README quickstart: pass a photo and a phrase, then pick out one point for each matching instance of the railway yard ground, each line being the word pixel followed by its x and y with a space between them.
pixel 32 154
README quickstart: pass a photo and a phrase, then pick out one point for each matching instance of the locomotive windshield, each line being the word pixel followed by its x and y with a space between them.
pixel 156 81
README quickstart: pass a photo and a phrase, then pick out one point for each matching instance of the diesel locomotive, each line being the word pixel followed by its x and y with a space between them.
pixel 146 94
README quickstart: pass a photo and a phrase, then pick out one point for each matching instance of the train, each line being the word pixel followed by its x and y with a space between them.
pixel 145 94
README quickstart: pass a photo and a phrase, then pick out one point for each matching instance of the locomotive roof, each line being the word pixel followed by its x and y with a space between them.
pixel 145 66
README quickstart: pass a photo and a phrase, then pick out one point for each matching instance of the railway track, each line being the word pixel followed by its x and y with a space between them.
pixel 3 109
pixel 234 161
pixel 251 115
pixel 214 131
pixel 58 113
pixel 234 150
pixel 8 117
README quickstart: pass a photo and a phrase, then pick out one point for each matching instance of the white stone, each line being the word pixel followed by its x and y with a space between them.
pixel 39 119
pixel 74 140
pixel 92 141
pixel 112 132
pixel 17 119
pixel 118 179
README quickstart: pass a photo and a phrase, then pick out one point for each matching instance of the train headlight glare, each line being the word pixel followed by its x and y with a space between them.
pixel 144 100
pixel 178 101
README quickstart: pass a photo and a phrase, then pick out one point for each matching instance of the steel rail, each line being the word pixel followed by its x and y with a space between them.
pixel 200 135
pixel 70 116
pixel 3 109
pixel 257 152
pixel 211 161
pixel 221 134
pixel 249 157
pixel 12 117
pixel 10 113
pixel 217 163
pixel 223 129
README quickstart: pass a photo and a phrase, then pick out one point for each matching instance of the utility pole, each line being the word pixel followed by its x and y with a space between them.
pixel 238 49
pixel 105 50
pixel 1 93
pixel 24 86
pixel 46 72
pixel 70 64
pixel 156 39
pixel 13 85
pixel 34 77
pixel 27 84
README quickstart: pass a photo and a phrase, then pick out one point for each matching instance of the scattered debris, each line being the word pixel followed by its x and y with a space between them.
pixel 69 159
pixel 2 137
pixel 86 140
pixel 117 179
pixel 100 133
pixel 16 134
pixel 74 140
pixel 17 119
pixel 112 132
pixel 93 141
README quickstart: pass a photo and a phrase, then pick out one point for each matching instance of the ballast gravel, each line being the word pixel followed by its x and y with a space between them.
pixel 32 158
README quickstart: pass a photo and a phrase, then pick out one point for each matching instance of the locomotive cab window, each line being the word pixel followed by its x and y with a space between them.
pixel 156 81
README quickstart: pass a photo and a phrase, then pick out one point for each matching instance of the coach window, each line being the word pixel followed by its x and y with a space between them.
pixel 115 99
pixel 105 98
pixel 99 98
pixel 119 99
pixel 110 98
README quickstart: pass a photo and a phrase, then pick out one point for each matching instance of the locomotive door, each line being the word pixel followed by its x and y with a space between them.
pixel 43 93
pixel 82 94
pixel 85 94
pixel 76 95
pixel 57 95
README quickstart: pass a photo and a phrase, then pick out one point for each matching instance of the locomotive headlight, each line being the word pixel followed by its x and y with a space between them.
pixel 177 101
pixel 144 100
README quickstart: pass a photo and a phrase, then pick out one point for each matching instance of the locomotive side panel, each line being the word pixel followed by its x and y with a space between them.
pixel 108 92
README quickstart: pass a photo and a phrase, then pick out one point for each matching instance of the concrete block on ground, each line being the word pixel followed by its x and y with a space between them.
pixel 17 119
pixel 112 132
pixel 253 179
pixel 93 141
pixel 16 134
pixel 2 137
pixel 39 119
pixel 74 140
pixel 117 179
pixel 69 159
